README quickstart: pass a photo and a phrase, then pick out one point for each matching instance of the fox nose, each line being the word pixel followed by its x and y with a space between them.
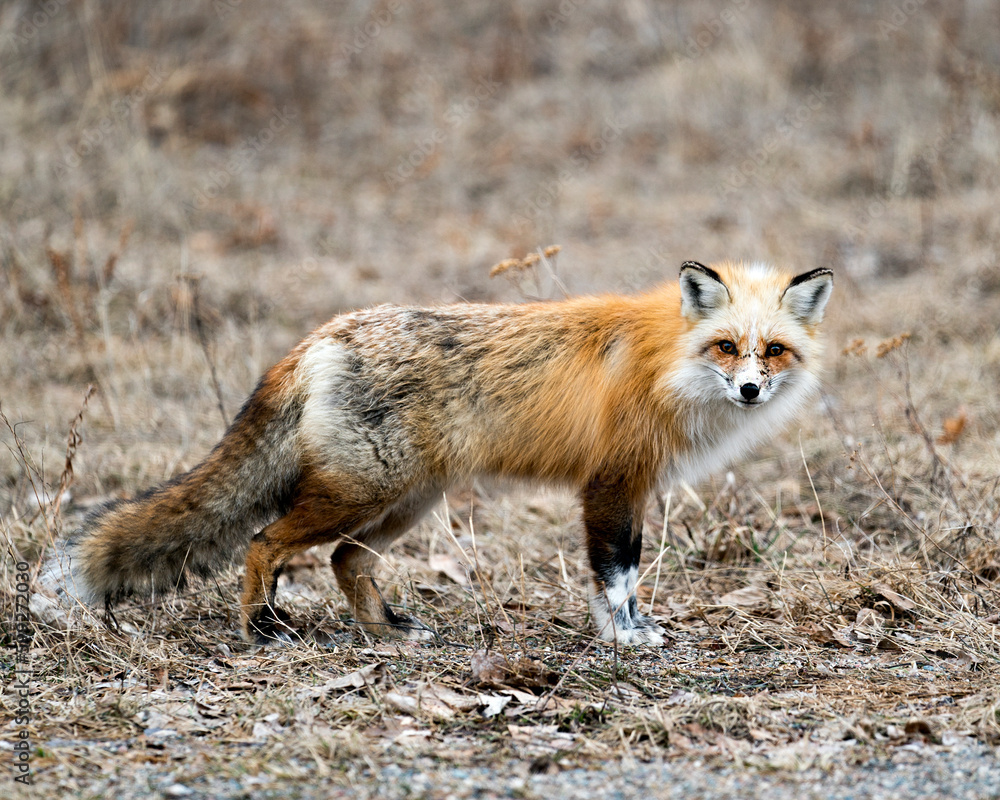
pixel 749 391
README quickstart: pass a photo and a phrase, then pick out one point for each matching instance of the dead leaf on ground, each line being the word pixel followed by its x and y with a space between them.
pixel 626 691
pixel 432 699
pixel 755 599
pixel 454 700
pixel 493 704
pixel 369 675
pixel 489 668
pixel 527 698
pixel 681 697
pixel 537 740
pixel 519 628
pixel 919 727
pixel 952 427
pixel 966 659
pixel 847 637
pixel 417 706
pixel 267 728
pixel 899 602
pixel 869 627
pixel 449 567
pixel 492 668
pixel 820 634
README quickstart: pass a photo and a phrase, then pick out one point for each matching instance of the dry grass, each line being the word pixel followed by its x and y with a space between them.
pixel 187 191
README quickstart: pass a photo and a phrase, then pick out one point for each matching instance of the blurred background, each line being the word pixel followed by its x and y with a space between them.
pixel 187 188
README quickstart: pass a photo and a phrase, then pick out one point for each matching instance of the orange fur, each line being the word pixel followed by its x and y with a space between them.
pixel 357 431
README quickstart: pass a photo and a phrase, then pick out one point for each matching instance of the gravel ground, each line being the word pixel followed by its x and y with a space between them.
pixel 961 773
pixel 965 775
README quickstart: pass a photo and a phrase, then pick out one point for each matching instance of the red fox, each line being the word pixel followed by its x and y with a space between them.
pixel 355 433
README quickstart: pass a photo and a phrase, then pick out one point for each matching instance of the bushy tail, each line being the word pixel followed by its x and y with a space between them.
pixel 200 521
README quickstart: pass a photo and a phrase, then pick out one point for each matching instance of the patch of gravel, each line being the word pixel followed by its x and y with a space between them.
pixel 961 773
pixel 971 774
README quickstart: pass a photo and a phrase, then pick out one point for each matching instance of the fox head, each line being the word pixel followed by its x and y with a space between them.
pixel 752 333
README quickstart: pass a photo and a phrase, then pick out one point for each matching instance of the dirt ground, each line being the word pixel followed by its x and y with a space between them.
pixel 188 188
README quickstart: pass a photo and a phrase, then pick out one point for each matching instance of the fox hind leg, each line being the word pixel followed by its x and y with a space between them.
pixel 613 524
pixel 263 621
pixel 312 521
pixel 356 558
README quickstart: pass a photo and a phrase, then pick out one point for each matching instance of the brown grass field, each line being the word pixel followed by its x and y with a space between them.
pixel 188 188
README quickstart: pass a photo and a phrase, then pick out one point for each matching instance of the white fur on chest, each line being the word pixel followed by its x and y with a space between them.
pixel 720 433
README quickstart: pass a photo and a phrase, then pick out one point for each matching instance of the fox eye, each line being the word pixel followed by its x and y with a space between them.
pixel 775 349
pixel 727 347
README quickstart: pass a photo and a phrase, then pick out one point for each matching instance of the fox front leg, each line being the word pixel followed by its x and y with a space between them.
pixel 612 517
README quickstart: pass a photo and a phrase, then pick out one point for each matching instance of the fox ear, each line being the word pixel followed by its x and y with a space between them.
pixel 702 290
pixel 806 296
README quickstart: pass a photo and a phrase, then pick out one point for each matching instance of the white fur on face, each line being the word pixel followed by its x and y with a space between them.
pixel 719 425
pixel 720 431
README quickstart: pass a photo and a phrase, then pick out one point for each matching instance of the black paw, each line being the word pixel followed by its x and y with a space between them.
pixel 272 626
pixel 399 626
